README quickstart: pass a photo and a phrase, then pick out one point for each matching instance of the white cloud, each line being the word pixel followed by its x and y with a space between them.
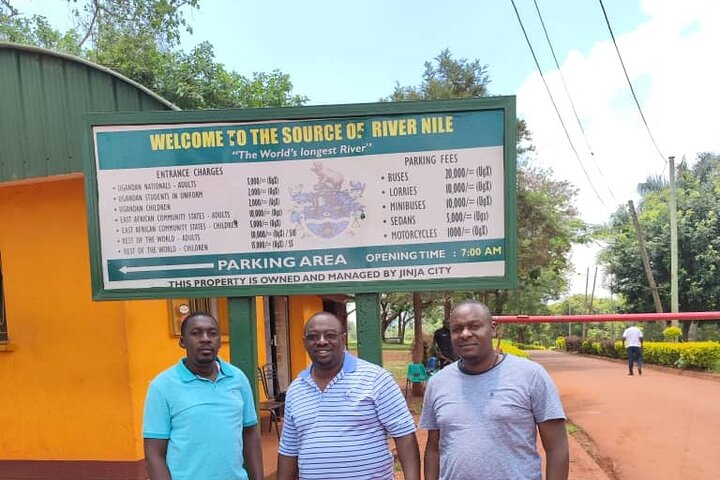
pixel 672 61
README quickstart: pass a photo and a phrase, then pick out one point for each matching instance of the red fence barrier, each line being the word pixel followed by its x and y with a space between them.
pixel 614 317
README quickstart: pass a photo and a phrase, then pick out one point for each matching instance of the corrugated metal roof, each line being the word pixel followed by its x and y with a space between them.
pixel 43 97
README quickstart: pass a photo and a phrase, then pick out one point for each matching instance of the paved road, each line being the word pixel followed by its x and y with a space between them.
pixel 658 426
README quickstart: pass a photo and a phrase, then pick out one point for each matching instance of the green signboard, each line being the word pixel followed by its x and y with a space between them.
pixel 352 198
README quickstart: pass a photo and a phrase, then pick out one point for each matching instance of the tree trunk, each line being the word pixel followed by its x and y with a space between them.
pixel 418 347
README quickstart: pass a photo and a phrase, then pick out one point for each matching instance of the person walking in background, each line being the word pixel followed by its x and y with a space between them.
pixel 442 345
pixel 339 414
pixel 200 421
pixel 483 412
pixel 633 343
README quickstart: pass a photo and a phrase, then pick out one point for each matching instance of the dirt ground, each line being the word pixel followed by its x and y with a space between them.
pixel 662 425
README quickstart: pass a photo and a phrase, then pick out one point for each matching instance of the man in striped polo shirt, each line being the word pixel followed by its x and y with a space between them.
pixel 339 413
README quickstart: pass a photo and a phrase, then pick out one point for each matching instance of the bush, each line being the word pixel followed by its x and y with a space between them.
pixel 694 355
pixel 672 334
pixel 607 348
pixel 528 346
pixel 586 347
pixel 508 347
pixel 560 343
pixel 572 343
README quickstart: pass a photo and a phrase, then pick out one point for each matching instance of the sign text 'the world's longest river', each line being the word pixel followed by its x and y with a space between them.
pixel 352 199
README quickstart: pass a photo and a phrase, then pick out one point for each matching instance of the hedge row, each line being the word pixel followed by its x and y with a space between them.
pixel 693 355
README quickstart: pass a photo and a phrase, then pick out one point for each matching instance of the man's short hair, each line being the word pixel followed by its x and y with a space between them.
pixel 183 324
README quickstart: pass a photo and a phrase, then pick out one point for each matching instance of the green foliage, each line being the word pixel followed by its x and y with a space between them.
pixel 508 347
pixel 447 78
pixel 548 222
pixel 691 355
pixel 529 346
pixel 560 343
pixel 672 334
pixel 605 348
pixel 139 39
pixel 698 214
pixel 573 343
pixel 587 347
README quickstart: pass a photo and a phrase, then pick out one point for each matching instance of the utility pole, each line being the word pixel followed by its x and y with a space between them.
pixel 645 260
pixel 592 294
pixel 674 302
pixel 587 281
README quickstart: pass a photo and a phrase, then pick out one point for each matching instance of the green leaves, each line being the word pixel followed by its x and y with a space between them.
pixel 698 209
pixel 139 39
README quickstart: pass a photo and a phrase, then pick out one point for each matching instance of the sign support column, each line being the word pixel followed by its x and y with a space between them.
pixel 369 335
pixel 243 338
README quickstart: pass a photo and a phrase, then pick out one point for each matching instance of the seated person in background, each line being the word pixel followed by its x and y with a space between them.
pixel 443 345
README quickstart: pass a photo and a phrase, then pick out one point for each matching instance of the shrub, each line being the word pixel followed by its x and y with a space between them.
pixel 672 334
pixel 528 346
pixel 586 347
pixel 508 347
pixel 606 348
pixel 560 343
pixel 572 343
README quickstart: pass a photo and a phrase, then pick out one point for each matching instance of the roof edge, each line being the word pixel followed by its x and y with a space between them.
pixel 72 58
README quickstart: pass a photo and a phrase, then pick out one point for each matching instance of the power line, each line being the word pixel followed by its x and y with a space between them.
pixel 552 100
pixel 572 103
pixel 627 77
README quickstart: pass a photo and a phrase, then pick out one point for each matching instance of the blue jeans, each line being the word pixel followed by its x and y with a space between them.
pixel 634 355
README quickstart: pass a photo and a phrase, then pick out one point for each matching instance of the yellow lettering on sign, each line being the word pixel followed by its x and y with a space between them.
pixel 186 140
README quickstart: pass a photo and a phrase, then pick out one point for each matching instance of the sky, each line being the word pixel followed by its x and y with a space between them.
pixel 356 52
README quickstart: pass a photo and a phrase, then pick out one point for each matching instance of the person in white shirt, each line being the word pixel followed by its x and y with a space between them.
pixel 633 342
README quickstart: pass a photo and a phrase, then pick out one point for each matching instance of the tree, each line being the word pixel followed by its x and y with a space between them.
pixel 548 222
pixel 450 78
pixel 698 212
pixel 139 39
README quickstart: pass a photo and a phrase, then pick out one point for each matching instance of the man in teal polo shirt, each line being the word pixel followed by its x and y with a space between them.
pixel 200 421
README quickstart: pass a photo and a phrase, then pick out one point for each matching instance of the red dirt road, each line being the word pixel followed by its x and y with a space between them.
pixel 658 426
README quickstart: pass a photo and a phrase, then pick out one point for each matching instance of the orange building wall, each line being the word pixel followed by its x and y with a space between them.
pixel 65 386
pixel 76 376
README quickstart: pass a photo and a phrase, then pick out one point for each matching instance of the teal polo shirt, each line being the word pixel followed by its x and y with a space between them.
pixel 202 420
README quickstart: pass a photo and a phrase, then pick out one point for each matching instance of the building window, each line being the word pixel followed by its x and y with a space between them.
pixel 3 317
pixel 182 307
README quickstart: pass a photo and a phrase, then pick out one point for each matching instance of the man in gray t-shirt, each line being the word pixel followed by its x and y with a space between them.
pixel 483 412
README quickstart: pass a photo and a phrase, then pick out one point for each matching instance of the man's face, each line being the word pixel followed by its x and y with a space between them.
pixel 201 340
pixel 325 342
pixel 471 332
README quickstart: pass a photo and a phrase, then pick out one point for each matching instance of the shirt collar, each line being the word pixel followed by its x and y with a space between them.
pixel 187 376
pixel 349 366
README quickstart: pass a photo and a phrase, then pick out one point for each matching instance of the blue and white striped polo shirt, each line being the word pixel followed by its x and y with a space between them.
pixel 342 432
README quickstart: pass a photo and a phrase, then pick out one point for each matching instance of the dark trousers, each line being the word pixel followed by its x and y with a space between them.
pixel 634 355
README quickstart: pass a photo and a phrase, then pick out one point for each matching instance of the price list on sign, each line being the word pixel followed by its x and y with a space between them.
pixel 469 199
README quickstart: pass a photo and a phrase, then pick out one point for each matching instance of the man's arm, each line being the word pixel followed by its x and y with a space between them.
pixel 155 463
pixel 554 440
pixel 252 452
pixel 287 467
pixel 432 455
pixel 409 455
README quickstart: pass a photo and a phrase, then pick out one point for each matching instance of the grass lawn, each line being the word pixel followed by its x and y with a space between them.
pixel 396 358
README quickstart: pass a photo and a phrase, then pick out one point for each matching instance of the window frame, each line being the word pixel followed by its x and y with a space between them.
pixel 4 334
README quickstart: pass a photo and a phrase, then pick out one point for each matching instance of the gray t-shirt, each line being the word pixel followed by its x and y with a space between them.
pixel 487 421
